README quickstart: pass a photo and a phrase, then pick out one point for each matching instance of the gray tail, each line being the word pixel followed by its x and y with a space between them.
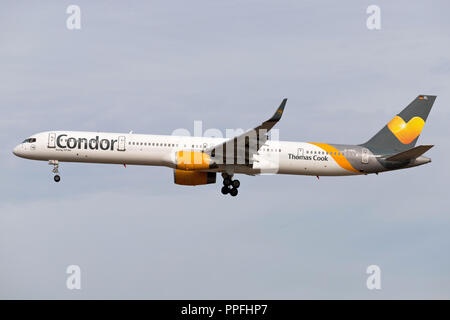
pixel 402 132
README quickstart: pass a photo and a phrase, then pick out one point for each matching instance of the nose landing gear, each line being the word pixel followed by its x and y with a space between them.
pixel 55 164
pixel 230 186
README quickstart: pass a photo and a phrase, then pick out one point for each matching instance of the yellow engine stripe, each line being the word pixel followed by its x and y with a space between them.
pixel 340 160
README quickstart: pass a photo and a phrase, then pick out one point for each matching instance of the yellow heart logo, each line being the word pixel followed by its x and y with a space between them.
pixel 406 132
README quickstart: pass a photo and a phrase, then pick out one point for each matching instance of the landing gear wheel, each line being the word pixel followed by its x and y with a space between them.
pixel 226 182
pixel 225 190
pixel 235 184
pixel 226 175
pixel 55 164
pixel 234 192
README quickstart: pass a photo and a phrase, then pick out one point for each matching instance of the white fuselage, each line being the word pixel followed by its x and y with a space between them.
pixel 280 157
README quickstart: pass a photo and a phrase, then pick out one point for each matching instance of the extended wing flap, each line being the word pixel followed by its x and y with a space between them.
pixel 410 153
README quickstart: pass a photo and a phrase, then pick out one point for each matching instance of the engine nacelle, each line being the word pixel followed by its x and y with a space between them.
pixel 192 160
pixel 193 178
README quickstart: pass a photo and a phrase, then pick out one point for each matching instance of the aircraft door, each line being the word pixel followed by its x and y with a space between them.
pixel 365 156
pixel 52 140
pixel 121 146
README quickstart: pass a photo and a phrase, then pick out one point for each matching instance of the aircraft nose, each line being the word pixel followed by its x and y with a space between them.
pixel 17 151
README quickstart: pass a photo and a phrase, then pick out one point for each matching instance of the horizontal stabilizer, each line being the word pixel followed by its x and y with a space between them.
pixel 410 153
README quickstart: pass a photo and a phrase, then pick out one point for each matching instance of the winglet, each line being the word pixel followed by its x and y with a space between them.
pixel 277 115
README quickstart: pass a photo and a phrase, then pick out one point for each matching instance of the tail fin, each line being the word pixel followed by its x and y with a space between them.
pixel 402 132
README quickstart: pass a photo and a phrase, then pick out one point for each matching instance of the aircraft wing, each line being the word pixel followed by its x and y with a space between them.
pixel 240 149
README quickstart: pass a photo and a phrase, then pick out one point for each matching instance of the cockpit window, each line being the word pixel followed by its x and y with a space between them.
pixel 29 140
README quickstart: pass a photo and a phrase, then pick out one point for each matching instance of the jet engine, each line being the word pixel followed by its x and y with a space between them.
pixel 193 178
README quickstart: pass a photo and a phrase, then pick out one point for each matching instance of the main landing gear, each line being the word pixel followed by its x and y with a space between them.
pixel 230 186
pixel 55 164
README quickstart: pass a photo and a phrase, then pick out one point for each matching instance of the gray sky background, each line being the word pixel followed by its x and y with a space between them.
pixel 155 66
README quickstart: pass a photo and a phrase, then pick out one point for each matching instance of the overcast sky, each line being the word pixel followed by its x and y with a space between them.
pixel 156 66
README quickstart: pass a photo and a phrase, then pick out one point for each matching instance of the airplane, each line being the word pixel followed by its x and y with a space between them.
pixel 197 160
